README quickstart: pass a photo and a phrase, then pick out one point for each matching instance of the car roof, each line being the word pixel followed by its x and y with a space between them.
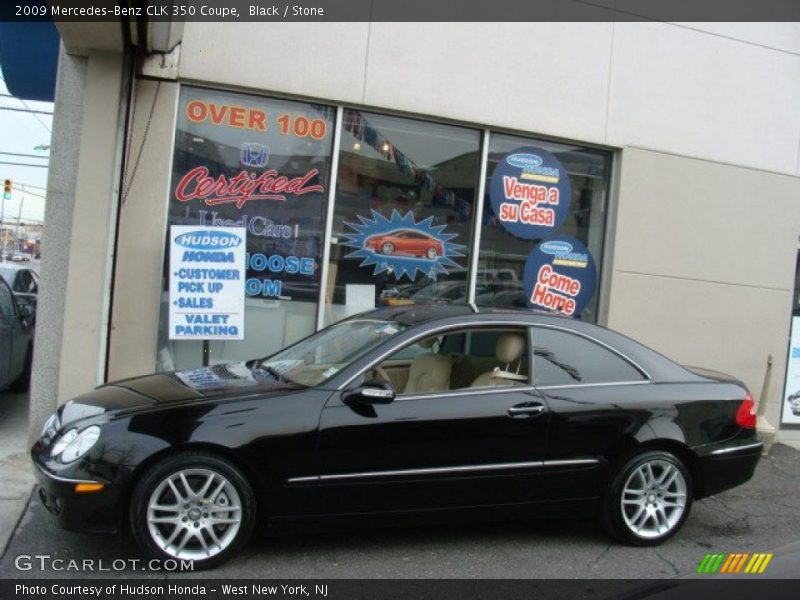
pixel 417 314
pixel 10 267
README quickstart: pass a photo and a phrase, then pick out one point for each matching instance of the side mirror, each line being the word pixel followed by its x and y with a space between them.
pixel 371 392
pixel 25 311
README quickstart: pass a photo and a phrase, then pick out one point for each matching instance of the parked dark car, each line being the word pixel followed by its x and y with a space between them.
pixel 24 282
pixel 16 340
pixel 394 415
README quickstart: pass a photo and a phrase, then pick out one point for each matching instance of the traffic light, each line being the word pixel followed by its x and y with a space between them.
pixel 7 189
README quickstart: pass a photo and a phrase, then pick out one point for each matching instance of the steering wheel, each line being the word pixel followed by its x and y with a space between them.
pixel 380 373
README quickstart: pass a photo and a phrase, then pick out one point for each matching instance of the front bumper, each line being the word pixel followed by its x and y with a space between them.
pixel 93 512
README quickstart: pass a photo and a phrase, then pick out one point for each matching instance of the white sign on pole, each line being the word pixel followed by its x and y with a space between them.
pixel 791 389
pixel 206 282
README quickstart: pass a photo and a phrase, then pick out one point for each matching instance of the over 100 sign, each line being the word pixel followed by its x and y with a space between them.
pixel 206 283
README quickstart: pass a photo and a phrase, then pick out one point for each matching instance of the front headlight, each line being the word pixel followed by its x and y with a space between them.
pixel 72 445
pixel 51 426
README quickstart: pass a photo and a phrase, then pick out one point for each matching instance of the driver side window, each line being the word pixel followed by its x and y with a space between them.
pixel 459 359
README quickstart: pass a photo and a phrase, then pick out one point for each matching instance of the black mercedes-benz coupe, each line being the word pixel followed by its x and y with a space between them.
pixel 398 414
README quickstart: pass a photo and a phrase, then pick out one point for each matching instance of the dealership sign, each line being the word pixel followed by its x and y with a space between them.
pixel 530 193
pixel 791 390
pixel 560 276
pixel 198 184
pixel 206 283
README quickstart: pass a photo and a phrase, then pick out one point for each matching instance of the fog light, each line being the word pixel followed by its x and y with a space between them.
pixel 87 487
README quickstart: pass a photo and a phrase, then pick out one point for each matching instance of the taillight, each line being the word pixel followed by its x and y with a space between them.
pixel 746 415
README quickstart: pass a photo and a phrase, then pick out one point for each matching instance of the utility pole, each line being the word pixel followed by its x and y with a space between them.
pixel 16 231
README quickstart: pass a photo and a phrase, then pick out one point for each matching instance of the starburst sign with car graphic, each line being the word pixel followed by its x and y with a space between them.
pixel 401 246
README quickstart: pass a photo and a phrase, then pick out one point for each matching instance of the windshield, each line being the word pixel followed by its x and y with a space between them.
pixel 319 357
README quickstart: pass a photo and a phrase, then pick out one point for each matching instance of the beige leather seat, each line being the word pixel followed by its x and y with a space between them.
pixel 508 351
pixel 428 372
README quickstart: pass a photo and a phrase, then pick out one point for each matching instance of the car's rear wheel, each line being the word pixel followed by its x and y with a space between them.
pixel 432 253
pixel 193 506
pixel 649 499
pixel 387 248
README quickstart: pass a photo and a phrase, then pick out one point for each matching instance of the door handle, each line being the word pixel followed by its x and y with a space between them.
pixel 526 409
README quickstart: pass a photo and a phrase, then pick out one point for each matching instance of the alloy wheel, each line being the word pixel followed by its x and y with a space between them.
pixel 387 248
pixel 653 499
pixel 431 253
pixel 194 514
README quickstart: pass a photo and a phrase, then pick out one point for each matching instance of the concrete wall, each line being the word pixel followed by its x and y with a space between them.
pixel 719 91
pixel 142 231
pixel 86 300
pixel 64 152
pixel 704 263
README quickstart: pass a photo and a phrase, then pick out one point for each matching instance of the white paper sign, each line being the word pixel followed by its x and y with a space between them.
pixel 206 282
pixel 791 390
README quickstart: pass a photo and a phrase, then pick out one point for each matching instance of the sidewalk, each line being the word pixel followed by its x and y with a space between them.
pixel 16 478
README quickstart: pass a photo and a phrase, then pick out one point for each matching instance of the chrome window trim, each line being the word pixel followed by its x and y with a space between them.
pixel 737 448
pixel 442 328
pixel 438 470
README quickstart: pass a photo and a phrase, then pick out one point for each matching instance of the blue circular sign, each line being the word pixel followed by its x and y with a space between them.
pixel 530 193
pixel 560 275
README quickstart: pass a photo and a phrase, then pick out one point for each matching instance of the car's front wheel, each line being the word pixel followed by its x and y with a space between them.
pixel 193 506
pixel 649 499
pixel 387 248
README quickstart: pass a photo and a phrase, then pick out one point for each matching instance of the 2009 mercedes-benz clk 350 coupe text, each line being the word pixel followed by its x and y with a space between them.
pixel 395 414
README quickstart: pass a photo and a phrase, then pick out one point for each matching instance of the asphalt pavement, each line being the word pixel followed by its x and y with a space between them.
pixel 757 516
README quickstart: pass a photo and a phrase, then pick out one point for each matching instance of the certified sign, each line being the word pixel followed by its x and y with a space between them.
pixel 530 193
pixel 206 284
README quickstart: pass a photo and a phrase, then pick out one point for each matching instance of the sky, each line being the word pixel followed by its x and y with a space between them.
pixel 20 133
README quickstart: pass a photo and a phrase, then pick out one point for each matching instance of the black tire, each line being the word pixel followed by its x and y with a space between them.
pixel 23 382
pixel 620 522
pixel 156 475
pixel 387 248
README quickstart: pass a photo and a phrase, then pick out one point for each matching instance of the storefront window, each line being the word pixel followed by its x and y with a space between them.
pixel 262 164
pixel 542 226
pixel 403 215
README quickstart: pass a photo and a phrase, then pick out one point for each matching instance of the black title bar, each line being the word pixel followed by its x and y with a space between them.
pixel 277 11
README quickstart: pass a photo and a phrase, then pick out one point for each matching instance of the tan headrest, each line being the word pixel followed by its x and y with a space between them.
pixel 428 342
pixel 509 347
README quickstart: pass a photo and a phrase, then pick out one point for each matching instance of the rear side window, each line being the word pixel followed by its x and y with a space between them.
pixel 562 358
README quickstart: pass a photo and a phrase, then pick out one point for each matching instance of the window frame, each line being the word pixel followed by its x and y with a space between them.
pixel 635 365
pixel 467 329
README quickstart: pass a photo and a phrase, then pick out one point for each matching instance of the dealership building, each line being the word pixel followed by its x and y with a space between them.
pixel 641 175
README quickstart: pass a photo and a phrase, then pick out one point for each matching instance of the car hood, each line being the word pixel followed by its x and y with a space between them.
pixel 230 379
